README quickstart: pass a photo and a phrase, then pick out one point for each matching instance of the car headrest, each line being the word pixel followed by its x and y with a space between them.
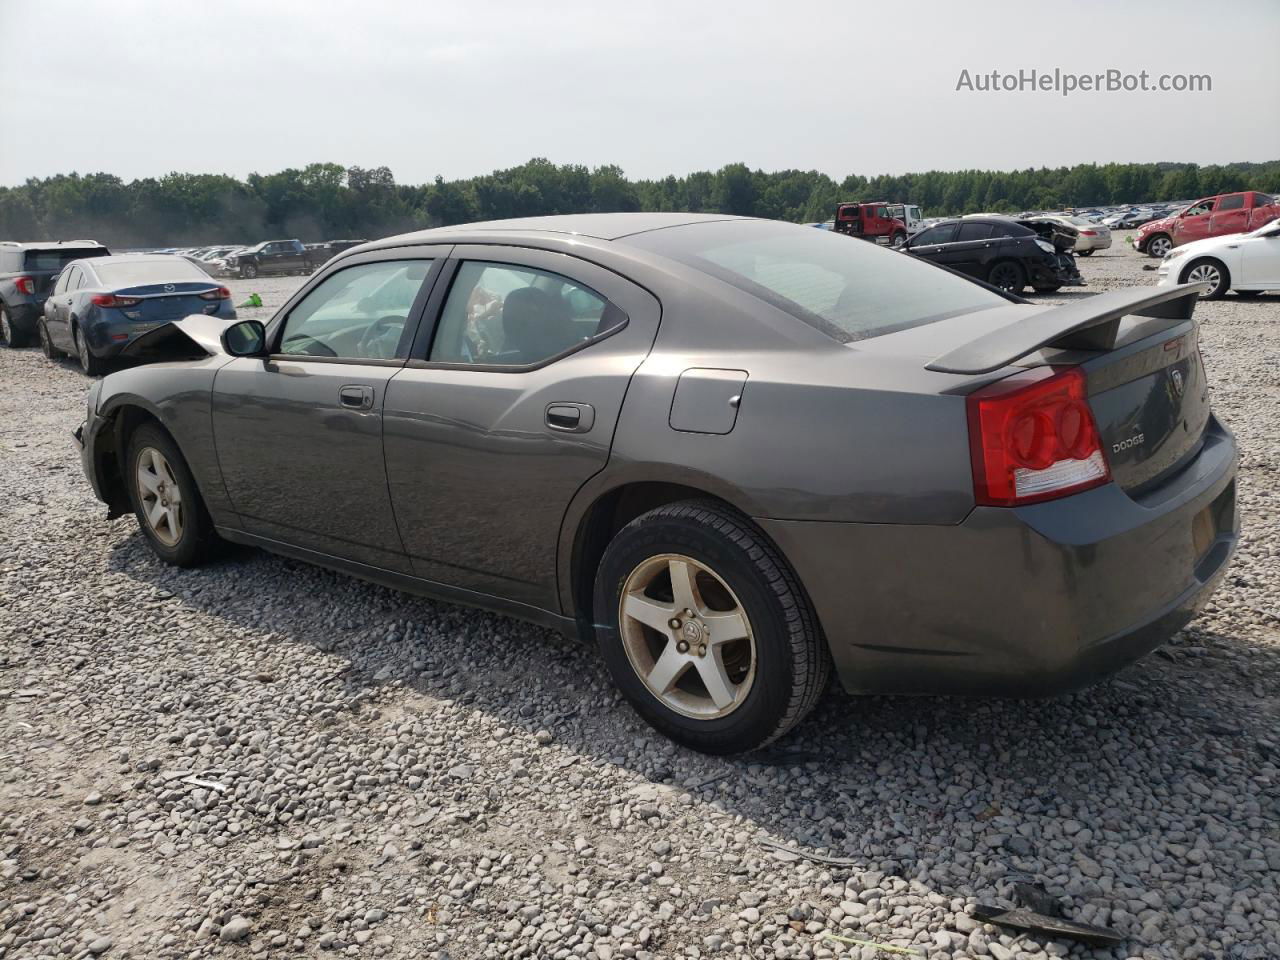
pixel 536 324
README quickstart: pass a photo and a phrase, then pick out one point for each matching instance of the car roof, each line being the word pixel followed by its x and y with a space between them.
pixel 49 244
pixel 597 226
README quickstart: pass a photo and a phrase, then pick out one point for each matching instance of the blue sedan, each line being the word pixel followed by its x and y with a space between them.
pixel 98 306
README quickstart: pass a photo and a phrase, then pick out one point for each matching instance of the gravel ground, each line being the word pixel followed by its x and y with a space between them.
pixel 260 757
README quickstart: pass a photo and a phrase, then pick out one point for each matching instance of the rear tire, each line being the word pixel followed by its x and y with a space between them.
pixel 1051 289
pixel 1008 275
pixel 752 634
pixel 90 364
pixel 1085 253
pixel 10 335
pixel 1209 270
pixel 165 499
pixel 46 342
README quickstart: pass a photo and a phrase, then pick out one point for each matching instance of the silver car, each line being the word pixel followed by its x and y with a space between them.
pixel 1092 236
pixel 736 454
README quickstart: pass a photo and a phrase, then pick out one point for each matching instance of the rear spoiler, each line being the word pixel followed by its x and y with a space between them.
pixel 1088 324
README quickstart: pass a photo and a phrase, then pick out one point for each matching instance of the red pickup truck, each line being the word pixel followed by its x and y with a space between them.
pixel 1210 217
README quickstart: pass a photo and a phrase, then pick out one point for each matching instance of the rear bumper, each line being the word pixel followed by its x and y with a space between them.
pixel 1030 601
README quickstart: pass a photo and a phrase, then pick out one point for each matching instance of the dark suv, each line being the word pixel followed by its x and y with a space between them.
pixel 27 272
pixel 1006 253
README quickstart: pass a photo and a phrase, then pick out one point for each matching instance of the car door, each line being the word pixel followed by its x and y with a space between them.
pixel 1230 216
pixel 929 243
pixel 64 308
pixel 1260 260
pixel 969 251
pixel 299 434
pixel 55 310
pixel 506 408
pixel 1194 224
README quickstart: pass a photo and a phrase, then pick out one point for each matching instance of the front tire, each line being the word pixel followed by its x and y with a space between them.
pixel 705 629
pixel 1209 271
pixel 91 365
pixel 1159 245
pixel 165 499
pixel 248 271
pixel 46 342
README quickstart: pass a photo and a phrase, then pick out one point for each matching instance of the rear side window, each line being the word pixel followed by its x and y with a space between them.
pixel 849 290
pixel 508 315
pixel 1233 202
pixel 54 260
pixel 130 273
pixel 944 233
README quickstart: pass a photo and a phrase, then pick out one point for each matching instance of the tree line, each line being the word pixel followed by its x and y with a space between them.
pixel 327 201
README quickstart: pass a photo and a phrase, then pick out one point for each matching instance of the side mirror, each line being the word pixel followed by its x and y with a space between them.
pixel 248 338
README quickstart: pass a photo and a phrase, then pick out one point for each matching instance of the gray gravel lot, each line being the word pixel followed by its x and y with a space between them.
pixel 260 757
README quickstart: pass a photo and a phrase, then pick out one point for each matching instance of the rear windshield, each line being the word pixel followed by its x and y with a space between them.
pixel 55 260
pixel 847 287
pixel 127 273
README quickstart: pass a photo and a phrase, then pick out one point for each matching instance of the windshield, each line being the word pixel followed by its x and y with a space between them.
pixel 127 273
pixel 846 287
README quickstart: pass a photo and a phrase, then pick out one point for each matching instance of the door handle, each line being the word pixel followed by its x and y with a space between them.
pixel 356 396
pixel 570 417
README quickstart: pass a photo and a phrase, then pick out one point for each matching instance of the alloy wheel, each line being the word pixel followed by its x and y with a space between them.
pixel 1005 276
pixel 1159 246
pixel 160 496
pixel 1206 273
pixel 687 637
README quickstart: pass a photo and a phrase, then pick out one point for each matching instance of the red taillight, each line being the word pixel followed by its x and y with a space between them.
pixel 221 293
pixel 25 285
pixel 111 300
pixel 1088 233
pixel 1032 437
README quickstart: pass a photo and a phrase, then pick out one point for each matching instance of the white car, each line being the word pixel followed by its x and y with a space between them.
pixel 1247 263
pixel 1092 236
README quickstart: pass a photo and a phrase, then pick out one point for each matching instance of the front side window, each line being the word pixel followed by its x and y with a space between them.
pixel 359 313
pixel 973 231
pixel 944 233
pixel 509 315
pixel 1201 208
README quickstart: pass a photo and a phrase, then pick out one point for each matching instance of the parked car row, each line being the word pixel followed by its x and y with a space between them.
pixel 76 297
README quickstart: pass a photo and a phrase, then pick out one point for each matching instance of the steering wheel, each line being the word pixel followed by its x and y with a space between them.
pixel 377 331
pixel 313 347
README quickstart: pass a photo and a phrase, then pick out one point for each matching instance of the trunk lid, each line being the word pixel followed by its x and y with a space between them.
pixel 161 303
pixel 1150 400
pixel 1062 237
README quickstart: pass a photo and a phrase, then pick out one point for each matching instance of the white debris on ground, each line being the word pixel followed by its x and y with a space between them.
pixel 264 758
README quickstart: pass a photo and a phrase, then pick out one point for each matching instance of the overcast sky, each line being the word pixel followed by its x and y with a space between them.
pixel 142 88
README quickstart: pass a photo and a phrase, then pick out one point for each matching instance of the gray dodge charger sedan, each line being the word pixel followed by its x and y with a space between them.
pixel 738 453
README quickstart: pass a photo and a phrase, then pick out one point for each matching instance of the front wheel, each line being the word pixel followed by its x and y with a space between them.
pixel 248 271
pixel 46 342
pixel 1159 245
pixel 1211 272
pixel 706 631
pixel 165 499
pixel 899 239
